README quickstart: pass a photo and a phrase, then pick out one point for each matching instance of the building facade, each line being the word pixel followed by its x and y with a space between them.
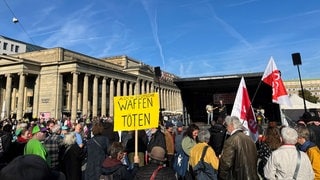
pixel 12 46
pixel 312 85
pixel 58 82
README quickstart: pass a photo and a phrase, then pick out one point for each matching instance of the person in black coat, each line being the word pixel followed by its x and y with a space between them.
pixel 6 138
pixel 108 131
pixel 142 147
pixel 217 135
pixel 97 149
pixel 157 139
pixel 71 156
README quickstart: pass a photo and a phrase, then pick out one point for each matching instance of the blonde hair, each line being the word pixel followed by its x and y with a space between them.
pixel 69 138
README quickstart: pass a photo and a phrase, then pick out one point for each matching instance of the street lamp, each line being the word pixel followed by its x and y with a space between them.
pixel 296 59
pixel 157 72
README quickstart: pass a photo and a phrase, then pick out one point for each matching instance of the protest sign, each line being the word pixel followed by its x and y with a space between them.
pixel 136 112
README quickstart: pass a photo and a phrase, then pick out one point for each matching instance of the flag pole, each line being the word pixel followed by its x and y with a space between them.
pixel 255 93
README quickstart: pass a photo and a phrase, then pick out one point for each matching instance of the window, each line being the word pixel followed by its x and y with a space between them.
pixel 12 46
pixel 29 101
pixel 5 46
pixel 16 49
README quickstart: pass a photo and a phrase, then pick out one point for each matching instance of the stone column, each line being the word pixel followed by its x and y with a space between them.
pixel 74 103
pixel 152 87
pixel 35 106
pixel 143 88
pixel 104 97
pixel 161 97
pixel 95 96
pixel 22 82
pixel 119 88
pixel 137 87
pixel 14 100
pixel 111 96
pixel 8 95
pixel 130 88
pixel 175 100
pixel 85 95
pixel 167 100
pixel 69 96
pixel 170 100
pixel 147 87
pixel 125 88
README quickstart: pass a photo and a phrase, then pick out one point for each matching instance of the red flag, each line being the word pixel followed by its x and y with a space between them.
pixel 272 77
pixel 242 108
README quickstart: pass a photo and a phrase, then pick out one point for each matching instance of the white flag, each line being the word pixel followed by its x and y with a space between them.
pixel 242 108
pixel 272 77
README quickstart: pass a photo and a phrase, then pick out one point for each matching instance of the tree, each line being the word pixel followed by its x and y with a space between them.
pixel 308 96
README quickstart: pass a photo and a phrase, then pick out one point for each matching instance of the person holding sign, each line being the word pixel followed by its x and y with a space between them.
pixel 139 112
pixel 142 147
pixel 157 138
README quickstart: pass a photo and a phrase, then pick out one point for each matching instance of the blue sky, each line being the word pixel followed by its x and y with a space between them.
pixel 185 37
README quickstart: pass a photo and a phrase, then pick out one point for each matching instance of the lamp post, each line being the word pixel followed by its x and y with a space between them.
pixel 296 59
pixel 157 72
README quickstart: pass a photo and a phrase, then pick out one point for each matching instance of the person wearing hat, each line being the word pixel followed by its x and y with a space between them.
pixel 34 145
pixel 155 168
pixel 169 137
pixel 178 136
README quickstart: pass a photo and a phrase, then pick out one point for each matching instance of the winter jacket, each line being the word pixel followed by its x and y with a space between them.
pixel 239 158
pixel 157 139
pixel 118 171
pixel 313 153
pixel 96 155
pixel 217 136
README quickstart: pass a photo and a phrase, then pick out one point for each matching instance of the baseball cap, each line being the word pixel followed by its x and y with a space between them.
pixel 179 124
pixel 36 129
pixel 169 124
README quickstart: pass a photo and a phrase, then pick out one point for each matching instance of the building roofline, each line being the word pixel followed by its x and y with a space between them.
pixel 22 42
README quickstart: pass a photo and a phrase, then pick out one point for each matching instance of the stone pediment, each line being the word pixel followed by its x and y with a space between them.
pixel 146 69
pixel 140 69
pixel 6 60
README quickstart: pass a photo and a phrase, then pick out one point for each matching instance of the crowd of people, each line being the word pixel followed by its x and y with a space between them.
pixel 89 149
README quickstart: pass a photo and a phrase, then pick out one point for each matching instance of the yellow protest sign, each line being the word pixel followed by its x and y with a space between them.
pixel 136 112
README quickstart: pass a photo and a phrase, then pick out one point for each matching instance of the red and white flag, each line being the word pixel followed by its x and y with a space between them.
pixel 242 108
pixel 272 77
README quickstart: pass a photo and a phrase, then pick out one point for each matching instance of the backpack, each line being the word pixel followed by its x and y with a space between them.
pixel 181 163
pixel 204 170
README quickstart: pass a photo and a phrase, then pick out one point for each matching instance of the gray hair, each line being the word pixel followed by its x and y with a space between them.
pixel 204 136
pixel 69 138
pixel 303 132
pixel 289 135
pixel 56 128
pixel 237 124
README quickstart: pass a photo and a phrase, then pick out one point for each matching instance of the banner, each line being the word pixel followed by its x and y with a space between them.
pixel 136 112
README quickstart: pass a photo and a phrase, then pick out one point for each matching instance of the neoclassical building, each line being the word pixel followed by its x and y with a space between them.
pixel 57 82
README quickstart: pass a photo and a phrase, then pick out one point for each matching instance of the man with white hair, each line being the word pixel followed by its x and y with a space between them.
pixel 239 154
pixel 287 162
pixel 52 144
